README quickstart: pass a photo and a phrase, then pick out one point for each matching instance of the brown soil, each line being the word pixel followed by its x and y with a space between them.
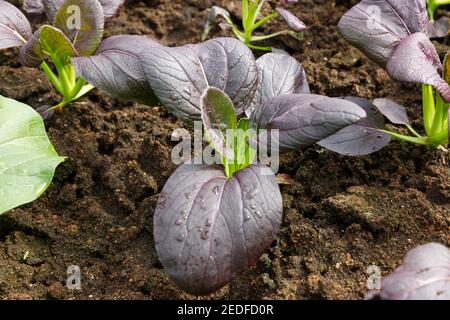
pixel 340 216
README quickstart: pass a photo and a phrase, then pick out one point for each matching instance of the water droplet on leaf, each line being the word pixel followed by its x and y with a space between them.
pixel 247 215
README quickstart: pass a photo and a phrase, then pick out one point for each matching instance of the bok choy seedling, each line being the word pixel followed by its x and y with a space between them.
pixel 212 222
pixel 251 22
pixel 76 31
pixel 394 35
pixel 27 158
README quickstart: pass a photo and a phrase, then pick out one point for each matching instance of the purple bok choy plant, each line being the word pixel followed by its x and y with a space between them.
pixel 213 221
pixel 76 30
pixel 424 275
pixel 394 35
pixel 251 22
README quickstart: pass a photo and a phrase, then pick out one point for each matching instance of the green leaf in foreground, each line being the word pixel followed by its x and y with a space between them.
pixel 27 158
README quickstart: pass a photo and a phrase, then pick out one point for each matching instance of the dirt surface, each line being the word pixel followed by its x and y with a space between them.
pixel 340 216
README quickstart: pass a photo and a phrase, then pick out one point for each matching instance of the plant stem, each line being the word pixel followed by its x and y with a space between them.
pixel 257 12
pixel 413 131
pixel 71 74
pixel 60 105
pixel 439 116
pixel 264 20
pixel 52 77
pixel 252 11
pixel 269 36
pixel 440 139
pixel 417 140
pixel 252 46
pixel 239 34
pixel 429 108
pixel 244 11
pixel 63 78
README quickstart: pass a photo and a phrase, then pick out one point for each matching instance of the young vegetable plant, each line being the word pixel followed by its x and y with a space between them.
pixel 424 275
pixel 212 222
pixel 394 35
pixel 27 158
pixel 76 31
pixel 251 22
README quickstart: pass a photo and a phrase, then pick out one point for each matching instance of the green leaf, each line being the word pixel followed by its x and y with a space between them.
pixel 219 119
pixel 27 158
pixel 82 21
pixel 218 110
pixel 55 44
pixel 219 116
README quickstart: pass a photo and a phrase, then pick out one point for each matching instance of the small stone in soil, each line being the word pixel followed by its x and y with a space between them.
pixel 56 291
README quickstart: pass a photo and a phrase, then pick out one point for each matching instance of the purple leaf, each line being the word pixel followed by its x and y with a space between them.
pixel 45 111
pixel 111 8
pixel 439 28
pixel 179 76
pixel 208 229
pixel 376 27
pixel 416 60
pixel 304 119
pixel 33 6
pixel 176 77
pixel 279 74
pixel 362 137
pixel 14 26
pixel 392 110
pixel 116 68
pixel 230 65
pixel 52 7
pixel 83 26
pixel 424 275
pixel 31 53
pixel 294 23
